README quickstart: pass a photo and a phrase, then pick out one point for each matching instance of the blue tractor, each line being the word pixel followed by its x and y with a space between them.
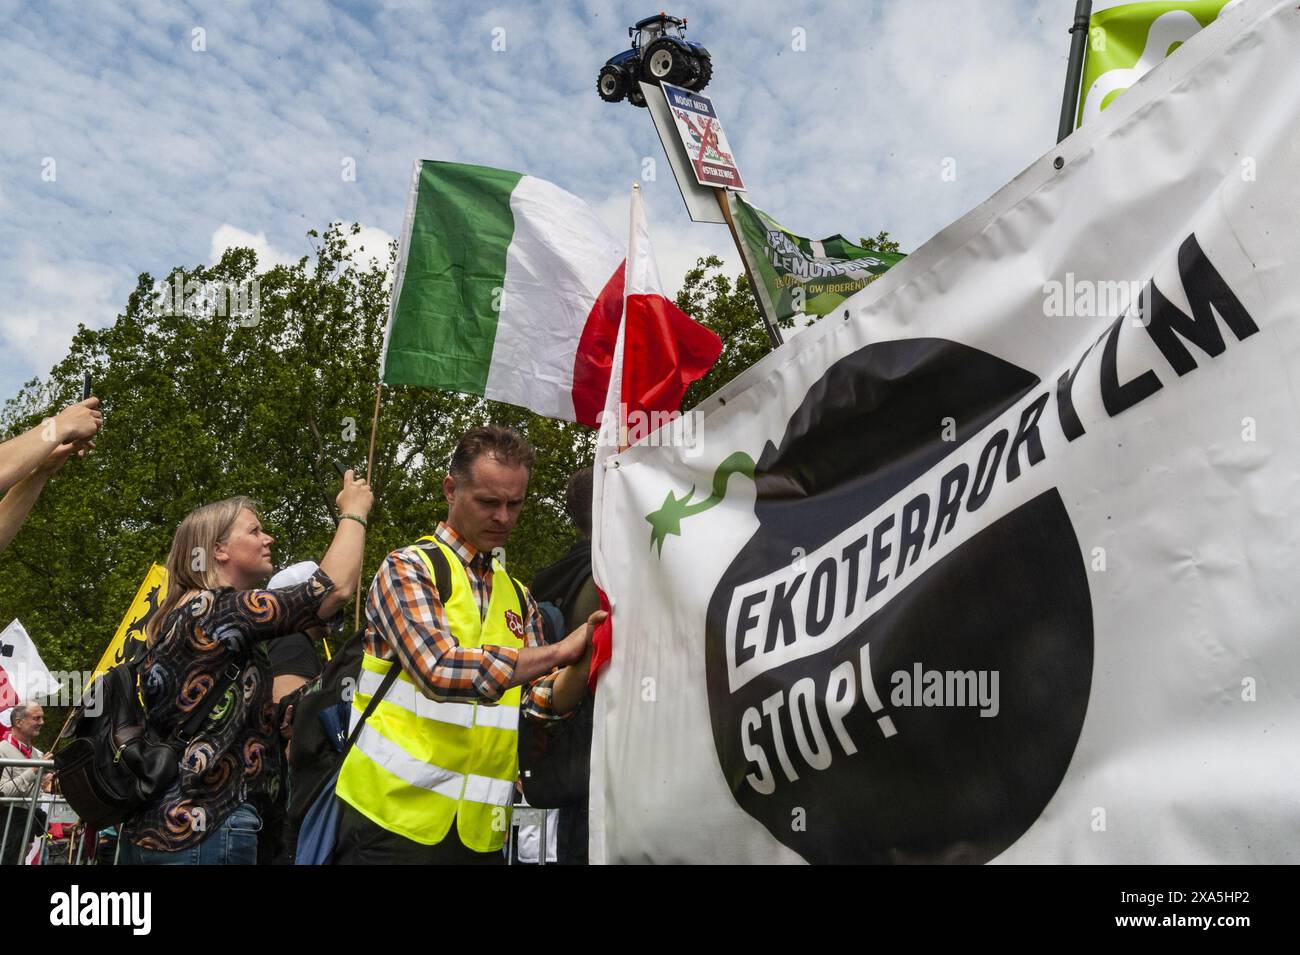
pixel 660 54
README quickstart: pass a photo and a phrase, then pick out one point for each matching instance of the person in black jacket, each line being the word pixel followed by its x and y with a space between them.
pixel 294 664
pixel 568 585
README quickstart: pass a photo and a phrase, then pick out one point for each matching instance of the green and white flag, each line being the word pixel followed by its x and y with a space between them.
pixel 507 287
pixel 1128 40
pixel 798 276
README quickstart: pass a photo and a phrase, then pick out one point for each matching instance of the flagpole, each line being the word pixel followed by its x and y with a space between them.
pixel 769 321
pixel 1074 72
pixel 403 247
pixel 107 659
pixel 370 471
pixel 620 342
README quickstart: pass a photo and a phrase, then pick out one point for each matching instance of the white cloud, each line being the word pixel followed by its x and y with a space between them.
pixel 228 236
pixel 368 246
pixel 49 299
pixel 678 242
pixel 156 143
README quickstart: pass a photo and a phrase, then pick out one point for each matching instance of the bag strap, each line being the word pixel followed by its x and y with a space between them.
pixel 389 679
pixel 329 780
pixel 519 592
pixel 185 732
pixel 436 561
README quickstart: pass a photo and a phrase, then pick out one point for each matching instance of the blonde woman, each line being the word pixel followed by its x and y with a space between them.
pixel 212 628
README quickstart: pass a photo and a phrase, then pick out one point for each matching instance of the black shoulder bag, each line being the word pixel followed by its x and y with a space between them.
pixel 114 765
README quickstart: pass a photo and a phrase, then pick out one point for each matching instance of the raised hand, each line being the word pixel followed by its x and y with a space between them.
pixel 79 422
pixel 356 496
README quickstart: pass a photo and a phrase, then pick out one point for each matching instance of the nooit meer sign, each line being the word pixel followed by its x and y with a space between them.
pixel 701 135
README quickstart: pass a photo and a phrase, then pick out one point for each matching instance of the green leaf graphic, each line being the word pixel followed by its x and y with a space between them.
pixel 668 519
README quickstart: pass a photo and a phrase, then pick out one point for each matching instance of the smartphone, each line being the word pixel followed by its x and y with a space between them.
pixel 85 386
pixel 343 472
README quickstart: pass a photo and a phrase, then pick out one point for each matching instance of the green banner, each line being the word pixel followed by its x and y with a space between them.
pixel 1126 42
pixel 798 276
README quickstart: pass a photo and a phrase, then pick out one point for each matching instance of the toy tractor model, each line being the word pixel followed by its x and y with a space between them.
pixel 660 54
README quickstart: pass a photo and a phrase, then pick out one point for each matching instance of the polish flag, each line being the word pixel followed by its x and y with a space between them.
pixel 23 675
pixel 659 351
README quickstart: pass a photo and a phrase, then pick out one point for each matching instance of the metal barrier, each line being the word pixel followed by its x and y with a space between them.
pixel 30 815
pixel 526 815
pixel 23 812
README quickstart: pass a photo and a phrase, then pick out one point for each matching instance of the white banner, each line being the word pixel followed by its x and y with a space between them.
pixel 1000 562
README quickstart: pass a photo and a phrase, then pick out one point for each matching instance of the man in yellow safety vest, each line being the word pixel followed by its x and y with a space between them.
pixel 431 777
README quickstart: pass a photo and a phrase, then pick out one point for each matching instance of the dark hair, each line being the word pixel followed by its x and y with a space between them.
pixel 506 445
pixel 577 499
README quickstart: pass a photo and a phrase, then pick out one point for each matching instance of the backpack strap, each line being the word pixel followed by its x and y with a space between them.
pixel 389 679
pixel 185 732
pixel 519 592
pixel 436 561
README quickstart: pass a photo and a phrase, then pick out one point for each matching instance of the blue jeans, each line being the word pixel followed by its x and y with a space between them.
pixel 234 842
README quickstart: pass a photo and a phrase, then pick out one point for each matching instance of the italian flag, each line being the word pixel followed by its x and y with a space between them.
pixel 510 288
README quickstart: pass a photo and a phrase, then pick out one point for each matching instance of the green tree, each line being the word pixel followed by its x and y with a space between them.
pixel 881 243
pixel 202 401
pixel 727 307
pixel 200 404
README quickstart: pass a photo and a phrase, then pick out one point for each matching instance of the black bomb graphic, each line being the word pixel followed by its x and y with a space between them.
pixel 938 727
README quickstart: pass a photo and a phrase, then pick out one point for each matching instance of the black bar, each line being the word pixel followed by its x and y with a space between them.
pixel 1074 73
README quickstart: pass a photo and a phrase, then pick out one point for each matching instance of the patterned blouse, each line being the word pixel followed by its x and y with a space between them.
pixel 234 757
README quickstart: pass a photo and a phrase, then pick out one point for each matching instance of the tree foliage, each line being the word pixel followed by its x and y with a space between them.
pixel 727 307
pixel 200 405
pixel 881 243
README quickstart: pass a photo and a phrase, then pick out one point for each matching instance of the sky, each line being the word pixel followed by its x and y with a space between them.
pixel 142 136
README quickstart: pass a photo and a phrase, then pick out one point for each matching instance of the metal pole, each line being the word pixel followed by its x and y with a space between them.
pixel 541 853
pixel 370 476
pixel 1074 72
pixel 9 818
pixel 31 814
pixel 769 321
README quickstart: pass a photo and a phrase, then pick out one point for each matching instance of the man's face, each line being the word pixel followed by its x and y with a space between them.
pixel 483 509
pixel 29 727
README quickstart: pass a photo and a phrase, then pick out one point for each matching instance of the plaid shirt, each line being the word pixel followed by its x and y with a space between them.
pixel 404 611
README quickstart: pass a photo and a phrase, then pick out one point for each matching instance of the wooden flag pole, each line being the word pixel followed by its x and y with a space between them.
pixel 374 432
pixel 769 321
pixel 370 472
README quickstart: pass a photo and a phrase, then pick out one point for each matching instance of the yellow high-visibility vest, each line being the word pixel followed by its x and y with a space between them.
pixel 418 763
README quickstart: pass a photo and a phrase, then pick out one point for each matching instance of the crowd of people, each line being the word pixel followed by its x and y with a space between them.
pixel 456 656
